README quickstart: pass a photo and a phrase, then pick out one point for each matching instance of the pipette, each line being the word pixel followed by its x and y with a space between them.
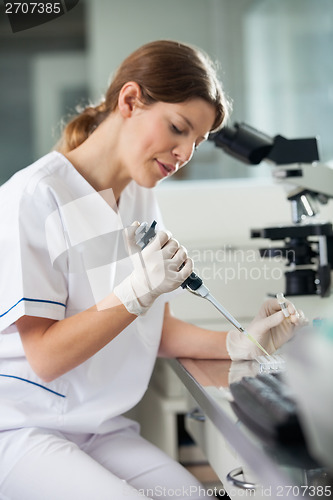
pixel 194 284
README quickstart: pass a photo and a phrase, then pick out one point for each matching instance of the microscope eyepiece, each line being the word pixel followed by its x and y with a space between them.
pixel 243 142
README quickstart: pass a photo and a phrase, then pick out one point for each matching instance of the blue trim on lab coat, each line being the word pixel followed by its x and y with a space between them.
pixel 33 383
pixel 32 300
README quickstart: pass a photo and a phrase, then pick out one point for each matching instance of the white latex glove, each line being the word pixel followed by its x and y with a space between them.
pixel 156 270
pixel 270 328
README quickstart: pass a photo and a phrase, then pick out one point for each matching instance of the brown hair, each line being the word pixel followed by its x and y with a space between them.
pixel 166 71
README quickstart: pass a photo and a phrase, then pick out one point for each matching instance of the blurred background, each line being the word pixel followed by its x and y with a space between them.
pixel 274 56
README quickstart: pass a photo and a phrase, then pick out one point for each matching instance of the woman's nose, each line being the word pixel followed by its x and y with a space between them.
pixel 184 151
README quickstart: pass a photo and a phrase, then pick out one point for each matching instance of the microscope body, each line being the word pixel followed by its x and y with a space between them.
pixel 308 243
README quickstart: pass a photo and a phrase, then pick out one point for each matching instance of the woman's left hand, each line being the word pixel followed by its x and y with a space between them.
pixel 270 328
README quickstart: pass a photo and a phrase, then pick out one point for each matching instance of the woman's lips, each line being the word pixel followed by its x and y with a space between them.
pixel 166 168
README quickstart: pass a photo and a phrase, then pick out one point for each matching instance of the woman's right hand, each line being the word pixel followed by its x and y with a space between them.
pixel 161 267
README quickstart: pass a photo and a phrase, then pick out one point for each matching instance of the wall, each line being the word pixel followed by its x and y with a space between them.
pixel 23 112
pixel 288 64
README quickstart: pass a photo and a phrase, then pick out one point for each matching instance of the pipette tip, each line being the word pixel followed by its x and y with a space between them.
pixel 256 342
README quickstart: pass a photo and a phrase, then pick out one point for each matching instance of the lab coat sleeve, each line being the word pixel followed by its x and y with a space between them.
pixel 31 284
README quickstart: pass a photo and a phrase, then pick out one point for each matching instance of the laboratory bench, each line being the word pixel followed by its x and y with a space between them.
pixel 247 465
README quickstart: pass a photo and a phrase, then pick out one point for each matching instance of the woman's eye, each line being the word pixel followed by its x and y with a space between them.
pixel 176 130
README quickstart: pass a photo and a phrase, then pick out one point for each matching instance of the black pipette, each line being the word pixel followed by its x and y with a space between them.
pixel 194 284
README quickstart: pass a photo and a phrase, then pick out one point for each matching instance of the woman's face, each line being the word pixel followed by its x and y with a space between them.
pixel 160 139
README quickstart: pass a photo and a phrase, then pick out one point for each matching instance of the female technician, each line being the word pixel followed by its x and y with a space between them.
pixel 83 313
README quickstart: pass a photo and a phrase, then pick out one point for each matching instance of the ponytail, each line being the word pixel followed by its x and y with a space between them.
pixel 80 127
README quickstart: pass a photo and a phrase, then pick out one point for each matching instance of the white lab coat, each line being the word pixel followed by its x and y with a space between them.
pixel 57 257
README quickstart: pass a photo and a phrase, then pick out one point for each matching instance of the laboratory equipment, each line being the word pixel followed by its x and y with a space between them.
pixel 309 375
pixel 194 284
pixel 274 362
pixel 283 304
pixel 144 234
pixel 266 405
pixel 308 243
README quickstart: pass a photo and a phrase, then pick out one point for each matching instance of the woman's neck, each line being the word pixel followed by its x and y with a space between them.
pixel 97 161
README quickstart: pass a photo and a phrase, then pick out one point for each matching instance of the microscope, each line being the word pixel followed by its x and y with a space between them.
pixel 308 243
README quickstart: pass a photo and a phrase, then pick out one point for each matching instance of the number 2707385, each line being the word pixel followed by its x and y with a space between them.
pixel 33 8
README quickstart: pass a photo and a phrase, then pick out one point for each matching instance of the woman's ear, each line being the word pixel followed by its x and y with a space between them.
pixel 129 97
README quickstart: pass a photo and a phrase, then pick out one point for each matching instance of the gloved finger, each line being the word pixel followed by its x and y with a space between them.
pixel 266 324
pixel 299 318
pixel 177 261
pixel 268 307
pixel 170 248
pixel 180 256
pixel 158 242
pixel 130 240
pixel 130 230
pixel 303 319
pixel 186 270
pixel 291 308
pixel 273 306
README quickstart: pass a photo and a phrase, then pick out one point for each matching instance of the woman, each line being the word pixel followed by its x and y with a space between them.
pixel 84 313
